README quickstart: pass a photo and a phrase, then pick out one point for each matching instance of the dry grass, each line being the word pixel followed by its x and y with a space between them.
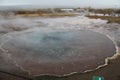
pixel 48 15
pixel 110 19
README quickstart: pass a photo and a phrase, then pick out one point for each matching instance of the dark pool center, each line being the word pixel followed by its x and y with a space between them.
pixel 59 52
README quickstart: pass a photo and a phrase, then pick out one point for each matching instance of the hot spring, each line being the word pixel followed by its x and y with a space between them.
pixel 59 52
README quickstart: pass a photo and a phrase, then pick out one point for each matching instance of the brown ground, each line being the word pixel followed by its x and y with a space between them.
pixel 110 72
pixel 110 19
pixel 48 15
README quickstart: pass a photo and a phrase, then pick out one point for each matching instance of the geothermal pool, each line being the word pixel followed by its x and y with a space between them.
pixel 59 52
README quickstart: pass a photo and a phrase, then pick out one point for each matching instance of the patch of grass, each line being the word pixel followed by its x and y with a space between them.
pixel 48 15
pixel 110 19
